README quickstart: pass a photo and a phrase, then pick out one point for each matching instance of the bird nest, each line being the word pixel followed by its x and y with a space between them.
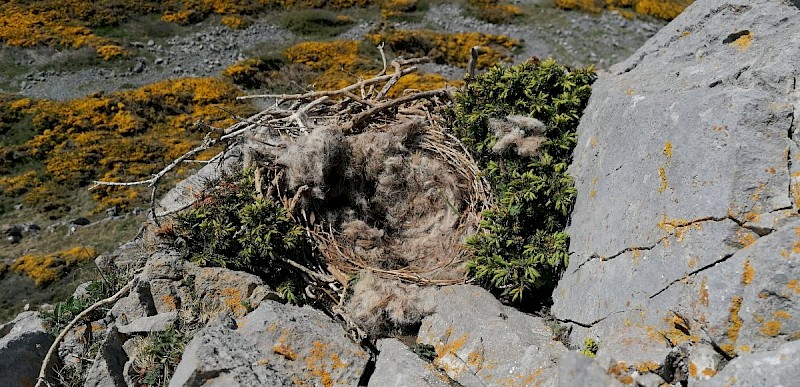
pixel 379 184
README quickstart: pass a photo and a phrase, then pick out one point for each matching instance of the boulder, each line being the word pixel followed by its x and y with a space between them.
pixel 575 369
pixel 685 227
pixel 398 366
pixel 218 355
pixel 306 343
pixel 149 324
pixel 184 193
pixel 108 366
pixel 24 342
pixel 780 367
pixel 479 341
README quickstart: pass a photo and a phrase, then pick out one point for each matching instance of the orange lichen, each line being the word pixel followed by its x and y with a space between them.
pixel 692 369
pixel 782 314
pixel 662 175
pixel 284 350
pixel 648 366
pixel 232 299
pixel 320 361
pixel 771 328
pixel 745 238
pixel 748 273
pixel 668 150
pixel 743 42
pixel 692 262
pixel 708 372
pixel 170 301
pixel 734 326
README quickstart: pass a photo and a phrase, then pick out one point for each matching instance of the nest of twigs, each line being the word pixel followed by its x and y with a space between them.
pixel 378 183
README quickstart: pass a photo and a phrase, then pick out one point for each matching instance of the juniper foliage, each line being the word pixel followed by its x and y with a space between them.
pixel 522 246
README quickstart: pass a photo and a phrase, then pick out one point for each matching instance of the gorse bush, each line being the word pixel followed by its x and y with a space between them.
pixel 663 9
pixel 229 226
pixel 522 245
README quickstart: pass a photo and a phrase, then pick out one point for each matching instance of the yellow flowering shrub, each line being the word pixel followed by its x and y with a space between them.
pixel 395 8
pixel 337 62
pixel 663 9
pixel 420 82
pixel 47 268
pixel 234 22
pixel 446 47
pixel 120 136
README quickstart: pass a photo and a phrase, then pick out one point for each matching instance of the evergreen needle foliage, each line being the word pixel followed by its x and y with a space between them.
pixel 230 227
pixel 522 246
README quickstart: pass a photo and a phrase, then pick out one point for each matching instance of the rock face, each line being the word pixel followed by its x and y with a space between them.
pixel 686 228
pixel 780 367
pixel 398 366
pixel 23 345
pixel 480 342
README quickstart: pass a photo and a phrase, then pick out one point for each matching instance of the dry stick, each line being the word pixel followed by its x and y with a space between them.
pixel 397 74
pixel 54 347
pixel 383 58
pixel 330 93
pixel 358 120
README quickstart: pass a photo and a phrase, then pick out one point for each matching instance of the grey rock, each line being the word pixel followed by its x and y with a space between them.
pixel 157 323
pixel 398 366
pixel 108 366
pixel 704 362
pixel 254 375
pixel 780 367
pixel 126 258
pixel 24 342
pixel 211 352
pixel 305 342
pixel 649 380
pixel 138 304
pixel 183 194
pixel 575 369
pixel 506 347
pixel 683 227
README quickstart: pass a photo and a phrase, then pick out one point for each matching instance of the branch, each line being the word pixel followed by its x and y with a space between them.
pixel 359 119
pixel 54 347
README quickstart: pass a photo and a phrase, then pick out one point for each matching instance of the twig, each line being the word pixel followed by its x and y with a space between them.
pixel 383 58
pixel 358 121
pixel 54 347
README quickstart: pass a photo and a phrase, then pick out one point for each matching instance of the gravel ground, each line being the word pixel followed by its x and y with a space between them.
pixel 571 37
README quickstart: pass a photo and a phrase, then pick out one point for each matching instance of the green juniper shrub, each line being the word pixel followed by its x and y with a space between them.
pixel 522 246
pixel 229 226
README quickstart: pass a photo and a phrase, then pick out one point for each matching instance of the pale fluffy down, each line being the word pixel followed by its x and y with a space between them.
pixel 384 307
pixel 526 134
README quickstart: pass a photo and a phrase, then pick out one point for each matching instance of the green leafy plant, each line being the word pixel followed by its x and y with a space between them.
pixel 522 246
pixel 229 226
pixel 159 354
pixel 590 347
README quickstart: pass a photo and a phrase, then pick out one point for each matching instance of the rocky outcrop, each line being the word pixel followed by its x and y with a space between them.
pixel 685 230
pixel 398 366
pixel 23 344
pixel 479 341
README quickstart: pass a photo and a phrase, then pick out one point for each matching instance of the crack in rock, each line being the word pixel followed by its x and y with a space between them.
pixel 692 273
pixel 760 231
pixel 593 323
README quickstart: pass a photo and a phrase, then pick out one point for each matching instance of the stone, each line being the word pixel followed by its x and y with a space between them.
pixel 507 347
pixel 24 342
pixel 12 230
pixel 137 304
pixel 704 362
pixel 240 292
pixel 150 324
pixel 184 193
pixel 128 257
pixel 80 221
pixel 108 366
pixel 575 369
pixel 219 356
pixel 684 226
pixel 398 366
pixel 305 342
pixel 779 367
